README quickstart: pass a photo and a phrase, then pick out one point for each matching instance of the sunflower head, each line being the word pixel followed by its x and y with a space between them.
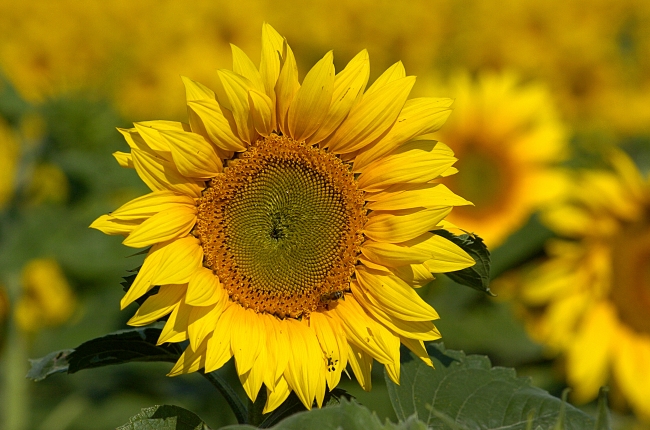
pixel 288 222
pixel 590 300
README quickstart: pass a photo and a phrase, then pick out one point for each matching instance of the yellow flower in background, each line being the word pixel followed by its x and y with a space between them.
pixel 9 154
pixel 507 137
pixel 288 222
pixel 591 299
pixel 46 300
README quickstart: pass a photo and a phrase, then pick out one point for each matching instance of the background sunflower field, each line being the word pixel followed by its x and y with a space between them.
pixel 550 96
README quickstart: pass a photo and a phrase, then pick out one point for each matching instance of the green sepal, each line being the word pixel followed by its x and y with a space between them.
pixel 478 275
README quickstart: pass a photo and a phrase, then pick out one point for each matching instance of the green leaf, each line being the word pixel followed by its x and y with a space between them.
pixel 54 362
pixel 346 415
pixel 293 405
pixel 477 276
pixel 603 420
pixel 466 392
pixel 166 417
pixel 121 347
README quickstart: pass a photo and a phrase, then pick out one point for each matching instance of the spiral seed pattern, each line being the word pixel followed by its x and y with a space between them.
pixel 281 227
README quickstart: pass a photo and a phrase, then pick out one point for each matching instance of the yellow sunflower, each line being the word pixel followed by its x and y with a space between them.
pixel 591 299
pixel 507 136
pixel 287 223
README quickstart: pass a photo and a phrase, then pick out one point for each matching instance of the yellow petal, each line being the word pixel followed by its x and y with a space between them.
pixel 334 345
pixel 279 347
pixel 446 256
pixel 142 282
pixel 416 275
pixel 192 360
pixel 124 159
pixel 311 103
pixel 202 322
pixel 247 338
pixel 150 204
pixel 397 297
pixel 419 116
pixel 166 225
pixel 175 329
pixel 262 112
pixel 403 225
pixel 391 255
pixel 252 380
pixel 361 364
pixel 108 224
pixel 421 330
pixel 371 117
pixel 193 155
pixel 270 58
pixel 208 116
pixel 405 196
pixel 197 91
pixel 348 87
pixel 219 350
pixel 148 130
pixel 242 65
pixel 305 361
pixel 414 166
pixel 277 396
pixel 158 305
pixel 286 87
pixel 393 73
pixel 179 260
pixel 204 289
pixel 137 141
pixel 361 330
pixel 159 174
pixel 418 348
pixel 232 93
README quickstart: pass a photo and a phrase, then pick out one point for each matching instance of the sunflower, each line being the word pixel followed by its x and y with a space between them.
pixel 288 223
pixel 590 301
pixel 507 136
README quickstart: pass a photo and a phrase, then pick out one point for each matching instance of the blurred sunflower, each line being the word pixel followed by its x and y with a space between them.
pixel 9 154
pixel 507 137
pixel 591 299
pixel 288 222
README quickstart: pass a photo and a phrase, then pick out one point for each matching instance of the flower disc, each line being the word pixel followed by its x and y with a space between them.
pixel 282 227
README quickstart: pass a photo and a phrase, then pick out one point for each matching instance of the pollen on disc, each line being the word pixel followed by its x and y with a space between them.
pixel 281 227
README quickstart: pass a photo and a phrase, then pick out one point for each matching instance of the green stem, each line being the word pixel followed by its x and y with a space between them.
pixel 235 403
pixel 255 414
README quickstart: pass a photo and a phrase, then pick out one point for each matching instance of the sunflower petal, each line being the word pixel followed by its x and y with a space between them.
pixel 175 329
pixel 232 93
pixel 393 73
pixel 247 338
pixel 419 116
pixel 405 196
pixel 150 204
pixel 252 380
pixel 348 87
pixel 391 255
pixel 334 345
pixel 400 227
pixel 202 322
pixel 208 115
pixel 445 256
pixel 395 296
pixel 166 225
pixel 108 224
pixel 196 91
pixel 272 43
pixel 179 260
pixel 311 103
pixel 142 282
pixel 277 396
pixel 193 155
pixel 242 65
pixel 305 362
pixel 159 174
pixel 157 306
pixel 262 112
pixel 124 159
pixel 412 166
pixel 192 360
pixel 371 117
pixel 361 364
pixel 204 289
pixel 219 349
pixel 417 347
pixel 286 87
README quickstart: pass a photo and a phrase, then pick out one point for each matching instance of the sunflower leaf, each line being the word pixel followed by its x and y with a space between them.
pixel 346 415
pixel 477 276
pixel 121 347
pixel 165 417
pixel 466 392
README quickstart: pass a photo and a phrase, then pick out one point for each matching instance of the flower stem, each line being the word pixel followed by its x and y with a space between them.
pixel 229 394
pixel 255 414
